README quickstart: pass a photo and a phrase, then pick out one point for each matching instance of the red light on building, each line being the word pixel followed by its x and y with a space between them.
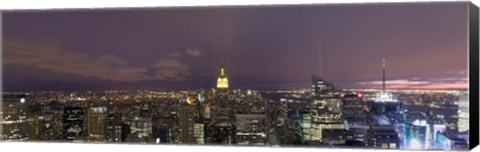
pixel 360 95
pixel 342 95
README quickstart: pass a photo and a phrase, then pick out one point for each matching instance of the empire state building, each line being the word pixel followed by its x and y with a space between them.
pixel 222 81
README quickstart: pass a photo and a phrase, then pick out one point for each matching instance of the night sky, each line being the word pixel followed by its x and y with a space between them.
pixel 263 47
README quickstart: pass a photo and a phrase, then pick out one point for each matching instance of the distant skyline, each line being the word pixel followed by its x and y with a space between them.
pixel 264 47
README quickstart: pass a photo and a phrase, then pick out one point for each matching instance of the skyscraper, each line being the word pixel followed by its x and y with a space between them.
pixel 116 130
pixel 463 112
pixel 355 114
pixel 418 135
pixel 251 129
pixel 14 121
pixel 199 133
pixel 141 127
pixel 223 114
pixel 382 136
pixel 186 123
pixel 73 122
pixel 97 125
pixel 326 108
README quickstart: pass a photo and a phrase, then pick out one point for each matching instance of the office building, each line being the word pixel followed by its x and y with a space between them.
pixel 444 142
pixel 463 112
pixel 337 136
pixel 199 133
pixel 418 134
pixel 73 118
pixel 326 108
pixel 141 127
pixel 186 122
pixel 355 114
pixel 14 117
pixel 116 129
pixel 381 136
pixel 97 123
pixel 251 129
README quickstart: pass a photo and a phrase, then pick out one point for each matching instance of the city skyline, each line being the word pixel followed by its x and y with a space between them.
pixel 180 48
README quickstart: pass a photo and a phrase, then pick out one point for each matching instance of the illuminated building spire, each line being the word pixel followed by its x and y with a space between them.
pixel 222 81
pixel 384 95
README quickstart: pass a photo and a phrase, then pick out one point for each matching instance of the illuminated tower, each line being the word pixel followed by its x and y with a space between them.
pixel 384 102
pixel 384 95
pixel 223 115
pixel 222 81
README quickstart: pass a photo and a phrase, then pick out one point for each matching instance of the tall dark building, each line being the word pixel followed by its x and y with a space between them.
pixel 14 121
pixel 355 114
pixel 337 136
pixel 186 123
pixel 73 122
pixel 381 136
pixel 116 129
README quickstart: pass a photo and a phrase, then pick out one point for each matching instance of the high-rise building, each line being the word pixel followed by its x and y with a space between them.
pixel 382 136
pixel 145 110
pixel 222 113
pixel 199 133
pixel 14 117
pixel 186 122
pixel 418 135
pixel 141 127
pixel 97 123
pixel 251 129
pixel 73 122
pixel 326 108
pixel 46 122
pixel 297 128
pixel 116 129
pixel 353 106
pixel 418 132
pixel 444 142
pixel 463 112
pixel 337 136
pixel 296 123
pixel 37 124
pixel 355 114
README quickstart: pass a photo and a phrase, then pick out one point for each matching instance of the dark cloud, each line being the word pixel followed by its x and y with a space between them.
pixel 49 55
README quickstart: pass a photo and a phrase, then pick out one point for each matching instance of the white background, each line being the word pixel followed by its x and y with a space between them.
pixel 82 147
